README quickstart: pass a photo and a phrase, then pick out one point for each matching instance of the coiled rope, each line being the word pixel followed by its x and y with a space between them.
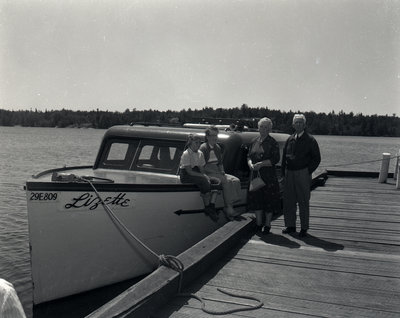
pixel 228 311
pixel 173 263
pixel 357 163
pixel 177 265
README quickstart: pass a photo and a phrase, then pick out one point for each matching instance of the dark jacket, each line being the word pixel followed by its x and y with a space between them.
pixel 205 149
pixel 301 153
pixel 270 151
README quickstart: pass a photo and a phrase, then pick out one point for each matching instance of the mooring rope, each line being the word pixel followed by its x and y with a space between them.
pixel 228 311
pixel 115 218
pixel 177 265
pixel 357 163
pixel 174 263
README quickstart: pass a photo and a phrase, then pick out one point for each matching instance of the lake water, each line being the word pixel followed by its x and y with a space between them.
pixel 26 151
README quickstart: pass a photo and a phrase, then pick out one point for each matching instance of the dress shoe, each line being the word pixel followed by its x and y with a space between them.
pixel 266 230
pixel 230 213
pixel 289 230
pixel 303 233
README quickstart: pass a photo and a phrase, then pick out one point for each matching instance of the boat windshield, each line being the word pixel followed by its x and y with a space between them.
pixel 151 155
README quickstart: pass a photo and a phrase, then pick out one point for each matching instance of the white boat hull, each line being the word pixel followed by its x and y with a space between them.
pixel 76 246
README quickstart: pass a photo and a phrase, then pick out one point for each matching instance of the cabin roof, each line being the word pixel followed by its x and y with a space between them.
pixel 156 132
pixel 177 133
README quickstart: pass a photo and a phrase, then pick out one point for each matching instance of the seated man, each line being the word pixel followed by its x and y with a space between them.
pixel 214 168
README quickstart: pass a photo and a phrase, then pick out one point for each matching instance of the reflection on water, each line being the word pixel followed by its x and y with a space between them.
pixel 27 151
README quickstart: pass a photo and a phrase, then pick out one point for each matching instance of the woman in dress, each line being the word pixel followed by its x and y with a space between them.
pixel 262 157
pixel 215 168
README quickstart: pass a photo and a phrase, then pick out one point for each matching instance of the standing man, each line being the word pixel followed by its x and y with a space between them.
pixel 301 156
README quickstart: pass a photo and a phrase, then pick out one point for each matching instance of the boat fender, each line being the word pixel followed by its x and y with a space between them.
pixel 64 177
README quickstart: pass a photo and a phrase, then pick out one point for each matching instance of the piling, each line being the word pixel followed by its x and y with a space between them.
pixel 396 167
pixel 384 167
pixel 398 177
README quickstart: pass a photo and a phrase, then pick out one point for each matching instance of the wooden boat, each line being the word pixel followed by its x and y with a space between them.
pixel 77 245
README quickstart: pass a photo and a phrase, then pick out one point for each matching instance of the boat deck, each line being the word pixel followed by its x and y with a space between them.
pixel 349 265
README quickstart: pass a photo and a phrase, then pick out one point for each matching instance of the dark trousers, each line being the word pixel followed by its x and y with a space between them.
pixel 201 181
pixel 297 191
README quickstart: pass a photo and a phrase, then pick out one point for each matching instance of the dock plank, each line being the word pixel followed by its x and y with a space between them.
pixel 349 266
pixel 342 261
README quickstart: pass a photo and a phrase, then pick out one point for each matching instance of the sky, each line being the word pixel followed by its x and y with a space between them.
pixel 306 55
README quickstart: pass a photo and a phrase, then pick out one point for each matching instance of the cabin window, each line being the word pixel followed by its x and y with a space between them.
pixel 117 151
pixel 118 155
pixel 158 156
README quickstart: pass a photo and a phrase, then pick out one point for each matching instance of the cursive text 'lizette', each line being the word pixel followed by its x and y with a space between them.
pixel 92 202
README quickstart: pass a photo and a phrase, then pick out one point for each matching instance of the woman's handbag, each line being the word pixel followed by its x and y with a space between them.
pixel 256 182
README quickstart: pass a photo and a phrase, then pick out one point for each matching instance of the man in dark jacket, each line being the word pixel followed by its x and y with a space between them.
pixel 301 156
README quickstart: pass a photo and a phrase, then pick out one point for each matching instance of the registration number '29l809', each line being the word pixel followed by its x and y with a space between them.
pixel 43 196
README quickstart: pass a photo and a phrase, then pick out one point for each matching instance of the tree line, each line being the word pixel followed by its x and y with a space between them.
pixel 317 123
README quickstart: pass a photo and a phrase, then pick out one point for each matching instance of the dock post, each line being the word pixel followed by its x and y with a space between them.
pixel 398 177
pixel 384 167
pixel 396 167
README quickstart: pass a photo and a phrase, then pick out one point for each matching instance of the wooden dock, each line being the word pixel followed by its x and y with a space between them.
pixel 348 266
